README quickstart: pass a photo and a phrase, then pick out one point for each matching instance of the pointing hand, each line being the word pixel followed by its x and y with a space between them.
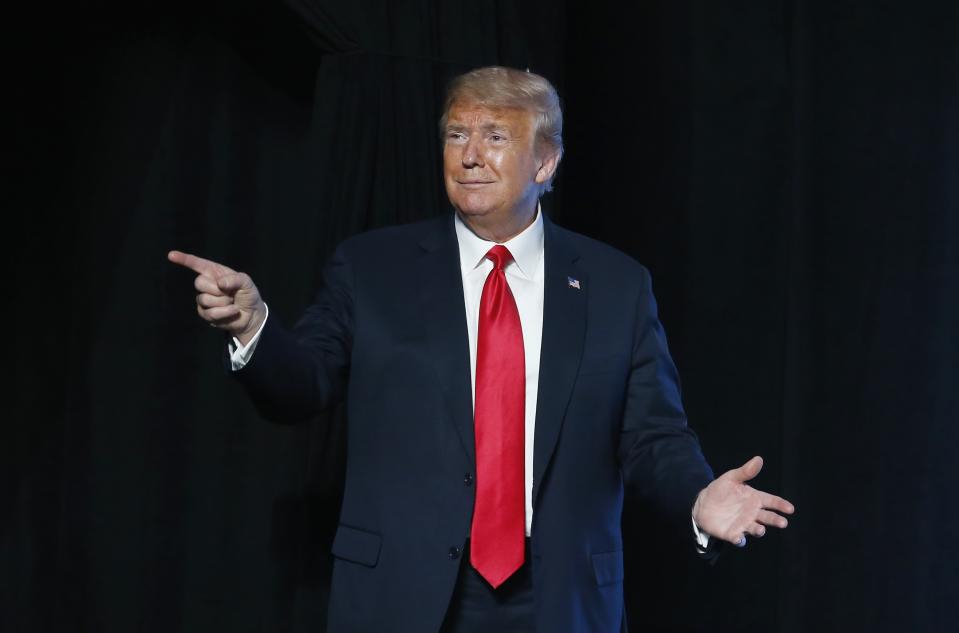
pixel 225 298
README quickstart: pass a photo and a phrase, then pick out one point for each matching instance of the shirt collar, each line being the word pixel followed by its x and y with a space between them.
pixel 526 248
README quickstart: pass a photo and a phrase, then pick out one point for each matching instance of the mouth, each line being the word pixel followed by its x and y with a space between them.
pixel 474 184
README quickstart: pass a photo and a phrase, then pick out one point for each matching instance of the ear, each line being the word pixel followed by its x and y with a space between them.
pixel 547 166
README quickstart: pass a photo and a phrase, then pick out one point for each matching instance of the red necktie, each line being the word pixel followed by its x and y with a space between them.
pixel 499 523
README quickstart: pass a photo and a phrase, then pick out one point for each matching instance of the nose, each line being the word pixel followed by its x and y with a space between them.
pixel 473 153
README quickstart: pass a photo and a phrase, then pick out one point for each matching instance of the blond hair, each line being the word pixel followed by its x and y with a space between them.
pixel 501 87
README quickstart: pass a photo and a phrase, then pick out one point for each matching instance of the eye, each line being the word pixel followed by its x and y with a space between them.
pixel 497 138
pixel 456 137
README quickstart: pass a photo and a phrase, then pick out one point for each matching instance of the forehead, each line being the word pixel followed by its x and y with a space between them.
pixel 478 115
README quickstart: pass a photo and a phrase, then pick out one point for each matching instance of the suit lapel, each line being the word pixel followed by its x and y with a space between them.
pixel 441 297
pixel 564 330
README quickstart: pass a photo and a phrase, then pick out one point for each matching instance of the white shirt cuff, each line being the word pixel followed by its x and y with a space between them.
pixel 702 539
pixel 241 354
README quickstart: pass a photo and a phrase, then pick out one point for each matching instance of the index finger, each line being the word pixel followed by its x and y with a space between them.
pixel 772 502
pixel 198 264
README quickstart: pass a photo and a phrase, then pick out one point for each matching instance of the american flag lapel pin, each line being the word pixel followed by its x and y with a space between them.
pixel 573 283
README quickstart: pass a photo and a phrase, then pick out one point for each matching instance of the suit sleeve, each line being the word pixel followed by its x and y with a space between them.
pixel 659 454
pixel 295 374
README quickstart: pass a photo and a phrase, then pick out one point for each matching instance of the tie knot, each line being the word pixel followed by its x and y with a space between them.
pixel 500 256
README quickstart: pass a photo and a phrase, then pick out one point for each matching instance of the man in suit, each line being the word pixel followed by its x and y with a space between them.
pixel 507 384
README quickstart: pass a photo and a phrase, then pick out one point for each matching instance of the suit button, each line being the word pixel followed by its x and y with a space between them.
pixel 468 479
pixel 454 553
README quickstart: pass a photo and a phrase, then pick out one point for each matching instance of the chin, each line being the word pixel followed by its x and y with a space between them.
pixel 473 207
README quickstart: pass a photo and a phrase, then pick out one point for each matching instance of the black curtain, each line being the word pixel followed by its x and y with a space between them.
pixel 787 170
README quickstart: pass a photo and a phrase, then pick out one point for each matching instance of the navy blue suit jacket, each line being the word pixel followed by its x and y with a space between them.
pixel 388 333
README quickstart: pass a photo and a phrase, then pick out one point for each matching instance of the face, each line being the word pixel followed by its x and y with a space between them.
pixel 490 164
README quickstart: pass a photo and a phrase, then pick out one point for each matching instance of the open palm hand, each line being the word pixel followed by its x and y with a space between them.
pixel 730 509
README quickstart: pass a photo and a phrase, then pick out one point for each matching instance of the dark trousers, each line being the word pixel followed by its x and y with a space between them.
pixel 478 608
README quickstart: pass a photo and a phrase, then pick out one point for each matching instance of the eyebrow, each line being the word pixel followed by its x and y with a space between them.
pixel 486 127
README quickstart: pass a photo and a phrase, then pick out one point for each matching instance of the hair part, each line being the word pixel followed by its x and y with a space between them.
pixel 501 87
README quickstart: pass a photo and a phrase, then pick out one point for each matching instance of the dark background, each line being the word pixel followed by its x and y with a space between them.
pixel 788 170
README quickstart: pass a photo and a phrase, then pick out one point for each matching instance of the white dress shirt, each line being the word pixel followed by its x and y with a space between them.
pixel 525 277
